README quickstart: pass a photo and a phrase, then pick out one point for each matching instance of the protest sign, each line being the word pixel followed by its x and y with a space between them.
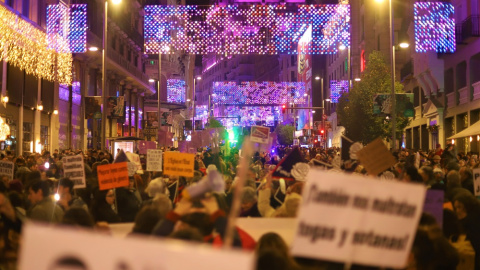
pixel 154 160
pixel 113 175
pixel 259 134
pixel 180 164
pixel 434 204
pixel 135 159
pixel 354 219
pixel 73 168
pixel 375 157
pixel 132 253
pixel 6 169
pixel 476 181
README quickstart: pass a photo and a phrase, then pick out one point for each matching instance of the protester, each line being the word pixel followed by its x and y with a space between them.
pixel 43 208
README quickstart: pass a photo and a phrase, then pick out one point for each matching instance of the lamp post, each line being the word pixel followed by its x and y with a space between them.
pixel 195 79
pixel 104 73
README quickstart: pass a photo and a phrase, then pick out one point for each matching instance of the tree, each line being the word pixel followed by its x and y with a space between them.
pixel 285 134
pixel 214 123
pixel 355 108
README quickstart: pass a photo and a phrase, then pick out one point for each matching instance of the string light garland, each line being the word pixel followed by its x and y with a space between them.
pixel 175 91
pixel 26 47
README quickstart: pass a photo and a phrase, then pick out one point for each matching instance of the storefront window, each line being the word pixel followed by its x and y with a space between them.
pixel 44 138
pixel 27 137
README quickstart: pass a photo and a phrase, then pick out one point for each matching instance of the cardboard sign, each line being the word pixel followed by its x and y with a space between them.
pixel 259 134
pixel 476 181
pixel 434 204
pixel 6 169
pixel 354 219
pixel 132 253
pixel 154 160
pixel 375 157
pixel 180 164
pixel 135 159
pixel 113 175
pixel 73 168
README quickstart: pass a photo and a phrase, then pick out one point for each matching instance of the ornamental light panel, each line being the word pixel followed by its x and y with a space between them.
pixel 434 27
pixel 255 29
pixel 67 27
pixel 336 89
pixel 258 93
pixel 175 91
pixel 250 115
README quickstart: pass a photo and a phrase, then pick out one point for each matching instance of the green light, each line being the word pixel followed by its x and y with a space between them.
pixel 152 63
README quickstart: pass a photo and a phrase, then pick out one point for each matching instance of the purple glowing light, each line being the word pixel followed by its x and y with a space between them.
pixel 336 89
pixel 175 91
pixel 67 28
pixel 256 29
pixel 434 27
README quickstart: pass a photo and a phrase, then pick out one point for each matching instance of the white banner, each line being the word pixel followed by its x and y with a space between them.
pixel 133 253
pixel 6 169
pixel 354 219
pixel 476 181
pixel 154 160
pixel 73 168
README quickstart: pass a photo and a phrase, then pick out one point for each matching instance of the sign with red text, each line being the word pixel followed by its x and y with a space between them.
pixel 259 134
pixel 359 220
pixel 113 175
pixel 181 164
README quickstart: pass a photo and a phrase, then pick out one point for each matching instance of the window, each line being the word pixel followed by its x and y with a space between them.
pixel 25 8
pixel 27 136
pixel 44 138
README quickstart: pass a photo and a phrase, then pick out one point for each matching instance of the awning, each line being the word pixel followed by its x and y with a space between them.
pixel 472 130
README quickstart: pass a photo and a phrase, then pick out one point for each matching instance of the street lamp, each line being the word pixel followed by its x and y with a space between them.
pixel 104 73
pixel 193 101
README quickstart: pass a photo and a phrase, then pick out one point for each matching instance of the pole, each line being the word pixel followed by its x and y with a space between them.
pixel 392 63
pixel 104 79
pixel 323 113
pixel 349 68
pixel 158 97
pixel 193 106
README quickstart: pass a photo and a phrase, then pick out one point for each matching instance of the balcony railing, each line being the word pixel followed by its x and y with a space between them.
pixel 463 95
pixel 131 68
pixel 471 27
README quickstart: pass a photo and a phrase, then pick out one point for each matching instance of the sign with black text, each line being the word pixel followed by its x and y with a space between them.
pixel 73 168
pixel 154 160
pixel 6 169
pixel 259 134
pixel 354 219
pixel 476 181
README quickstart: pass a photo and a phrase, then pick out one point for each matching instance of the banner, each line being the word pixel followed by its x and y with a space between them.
pixel 73 168
pixel 154 160
pixel 369 222
pixel 93 108
pixel 6 169
pixel 152 119
pixel 116 107
pixel 143 146
pixel 128 253
pixel 382 104
pixel 113 175
pixel 259 134
pixel 181 164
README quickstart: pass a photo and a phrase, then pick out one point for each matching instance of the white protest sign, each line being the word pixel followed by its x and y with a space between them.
pixel 73 168
pixel 135 159
pixel 476 181
pixel 6 169
pixel 154 160
pixel 133 253
pixel 354 219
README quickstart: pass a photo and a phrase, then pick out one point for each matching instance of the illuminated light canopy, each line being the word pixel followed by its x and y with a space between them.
pixel 175 91
pixel 337 88
pixel 249 115
pixel 434 27
pixel 258 93
pixel 67 27
pixel 256 29
pixel 26 47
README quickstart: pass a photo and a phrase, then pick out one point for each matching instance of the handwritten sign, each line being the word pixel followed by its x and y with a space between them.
pixel 259 134
pixel 180 164
pixel 369 222
pixel 154 160
pixel 131 253
pixel 113 175
pixel 476 181
pixel 375 157
pixel 6 169
pixel 73 168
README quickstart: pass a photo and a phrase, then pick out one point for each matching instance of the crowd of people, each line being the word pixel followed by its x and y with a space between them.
pixel 160 205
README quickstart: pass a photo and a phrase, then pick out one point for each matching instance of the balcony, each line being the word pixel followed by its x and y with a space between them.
pixel 463 95
pixel 476 90
pixel 471 27
pixel 406 70
pixel 451 100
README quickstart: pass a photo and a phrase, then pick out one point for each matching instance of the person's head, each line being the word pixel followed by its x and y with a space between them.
pixel 464 204
pixel 146 219
pixel 271 250
pixel 77 216
pixel 38 190
pixel 65 187
pixel 465 173
pixel 426 172
pixel 453 180
pixel 156 186
pixel 196 220
pixel 436 159
pixel 110 197
pixel 249 198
